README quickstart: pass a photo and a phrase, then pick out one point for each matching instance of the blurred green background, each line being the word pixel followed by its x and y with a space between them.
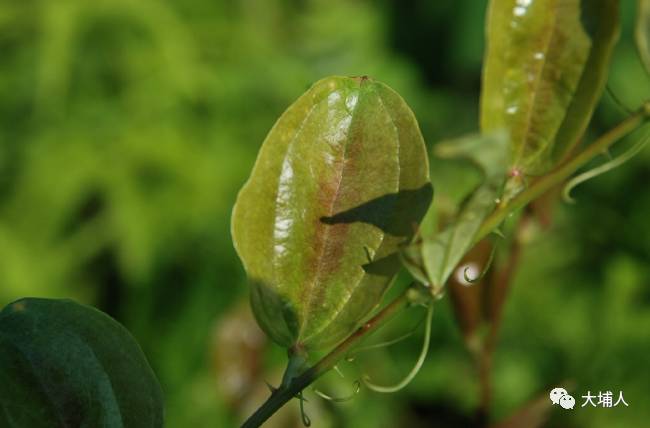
pixel 127 128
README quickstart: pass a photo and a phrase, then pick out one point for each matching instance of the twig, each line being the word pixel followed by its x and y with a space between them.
pixel 296 384
pixel 502 279
pixel 565 170
pixel 498 287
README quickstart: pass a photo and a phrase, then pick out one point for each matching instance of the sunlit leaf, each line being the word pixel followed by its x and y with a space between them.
pixel 341 181
pixel 63 364
pixel 545 68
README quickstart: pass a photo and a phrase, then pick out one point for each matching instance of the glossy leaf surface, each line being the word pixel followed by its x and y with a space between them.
pixel 63 364
pixel 544 70
pixel 433 259
pixel 339 184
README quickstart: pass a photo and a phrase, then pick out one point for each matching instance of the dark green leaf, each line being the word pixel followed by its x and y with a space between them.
pixel 63 364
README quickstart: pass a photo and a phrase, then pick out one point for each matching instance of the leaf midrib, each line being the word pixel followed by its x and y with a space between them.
pixel 319 267
pixel 538 80
pixel 345 301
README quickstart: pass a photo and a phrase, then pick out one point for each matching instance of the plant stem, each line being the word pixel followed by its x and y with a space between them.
pixel 498 284
pixel 565 170
pixel 503 278
pixel 295 385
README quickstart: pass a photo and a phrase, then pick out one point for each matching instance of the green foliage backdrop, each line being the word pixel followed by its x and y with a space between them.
pixel 127 127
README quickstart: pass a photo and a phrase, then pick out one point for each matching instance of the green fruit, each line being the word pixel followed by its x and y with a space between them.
pixel 340 183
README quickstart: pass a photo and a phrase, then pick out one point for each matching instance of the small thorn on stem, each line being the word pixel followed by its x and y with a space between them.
pixel 271 387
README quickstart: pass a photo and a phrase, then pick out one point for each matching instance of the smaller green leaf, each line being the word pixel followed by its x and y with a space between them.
pixel 63 364
pixel 436 257
pixel 489 152
pixel 642 32
pixel 411 257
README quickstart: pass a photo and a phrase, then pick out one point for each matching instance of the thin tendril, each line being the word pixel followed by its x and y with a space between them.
pixel 618 101
pixel 490 260
pixel 357 388
pixel 618 161
pixel 384 344
pixel 485 270
pixel 305 419
pixel 418 364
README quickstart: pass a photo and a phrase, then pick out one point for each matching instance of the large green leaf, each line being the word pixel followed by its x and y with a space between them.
pixel 63 364
pixel 339 184
pixel 432 260
pixel 545 68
